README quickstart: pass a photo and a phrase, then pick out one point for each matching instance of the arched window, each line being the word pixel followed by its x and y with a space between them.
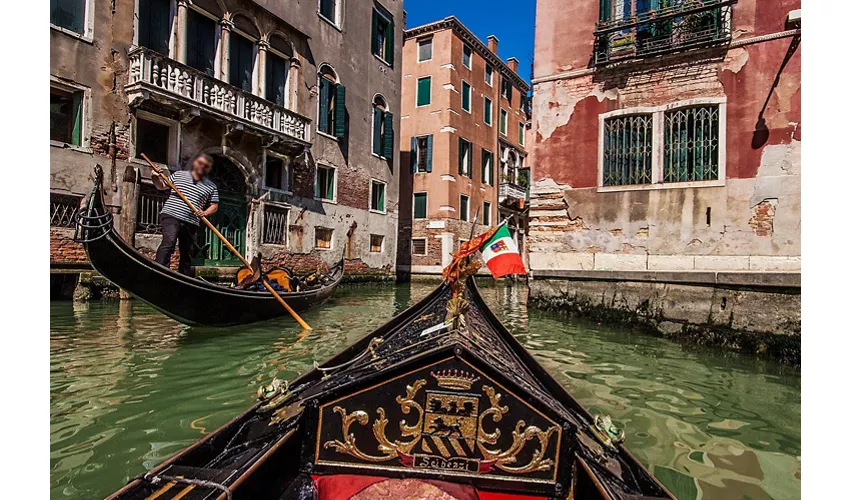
pixel 243 52
pixel 331 103
pixel 277 70
pixel 382 128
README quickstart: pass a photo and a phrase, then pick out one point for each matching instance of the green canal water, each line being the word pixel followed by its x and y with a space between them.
pixel 130 387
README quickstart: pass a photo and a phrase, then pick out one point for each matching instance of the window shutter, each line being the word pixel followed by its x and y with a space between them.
pixel 604 10
pixel 375 46
pixel 510 92
pixel 460 156
pixel 390 35
pixel 339 112
pixel 483 166
pixel 388 135
pixel 414 154
pixel 376 130
pixel 492 167
pixel 324 103
pixel 77 119
pixel 430 152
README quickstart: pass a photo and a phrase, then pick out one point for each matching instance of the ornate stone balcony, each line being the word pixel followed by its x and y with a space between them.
pixel 153 75
pixel 509 190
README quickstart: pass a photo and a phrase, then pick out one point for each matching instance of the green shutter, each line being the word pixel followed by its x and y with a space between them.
pixel 414 154
pixel 390 49
pixel 376 130
pixel 382 191
pixel 488 111
pixel 465 95
pixel 492 170
pixel 316 183
pixel 324 103
pixel 483 166
pixel 331 174
pixel 376 49
pixel 388 135
pixel 339 112
pixel 604 10
pixel 423 91
pixel 420 208
pixel 77 119
pixel 430 152
pixel 275 79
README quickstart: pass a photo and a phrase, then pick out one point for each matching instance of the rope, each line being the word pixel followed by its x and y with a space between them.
pixel 197 482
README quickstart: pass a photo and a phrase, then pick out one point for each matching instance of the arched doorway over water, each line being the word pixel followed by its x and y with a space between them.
pixel 231 219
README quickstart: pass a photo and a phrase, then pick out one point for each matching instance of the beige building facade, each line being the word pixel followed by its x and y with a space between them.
pixel 463 142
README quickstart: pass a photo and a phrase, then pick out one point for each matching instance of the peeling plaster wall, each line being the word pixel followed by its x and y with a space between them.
pixel 754 221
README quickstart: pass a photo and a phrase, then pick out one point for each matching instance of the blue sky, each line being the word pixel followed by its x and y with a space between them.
pixel 512 22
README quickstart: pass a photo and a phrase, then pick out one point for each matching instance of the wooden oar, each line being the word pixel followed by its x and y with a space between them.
pixel 226 243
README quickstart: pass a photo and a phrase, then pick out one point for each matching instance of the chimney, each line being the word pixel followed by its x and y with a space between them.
pixel 513 64
pixel 493 44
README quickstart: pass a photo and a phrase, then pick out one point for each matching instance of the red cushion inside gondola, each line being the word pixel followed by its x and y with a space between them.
pixel 353 487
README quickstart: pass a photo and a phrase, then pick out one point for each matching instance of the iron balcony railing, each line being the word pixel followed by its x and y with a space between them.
pixel 150 205
pixel 640 28
pixel 153 72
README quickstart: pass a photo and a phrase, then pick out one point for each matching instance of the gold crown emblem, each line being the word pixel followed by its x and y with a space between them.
pixel 455 379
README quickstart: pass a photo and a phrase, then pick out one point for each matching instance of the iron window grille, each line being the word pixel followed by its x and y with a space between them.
pixel 64 209
pixel 275 225
pixel 676 143
pixel 640 28
pixel 691 144
pixel 419 246
pixel 149 206
pixel 627 150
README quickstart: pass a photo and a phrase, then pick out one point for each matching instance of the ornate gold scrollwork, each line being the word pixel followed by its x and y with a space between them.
pixel 390 448
pixel 520 436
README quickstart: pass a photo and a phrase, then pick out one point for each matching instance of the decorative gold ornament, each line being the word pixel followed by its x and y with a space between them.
pixel 455 379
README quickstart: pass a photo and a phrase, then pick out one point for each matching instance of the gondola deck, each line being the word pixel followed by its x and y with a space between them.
pixel 456 406
pixel 188 300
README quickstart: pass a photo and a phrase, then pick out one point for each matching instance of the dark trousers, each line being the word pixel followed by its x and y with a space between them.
pixel 176 232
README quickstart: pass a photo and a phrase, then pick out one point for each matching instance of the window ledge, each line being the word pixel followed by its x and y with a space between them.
pixel 372 210
pixel 74 147
pixel 323 200
pixel 279 245
pixel 382 60
pixel 321 249
pixel 327 135
pixel 424 60
pixel 379 156
pixel 661 185
pixel 277 190
pixel 325 19
pixel 87 38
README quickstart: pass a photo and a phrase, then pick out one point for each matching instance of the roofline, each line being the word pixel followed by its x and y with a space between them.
pixel 453 23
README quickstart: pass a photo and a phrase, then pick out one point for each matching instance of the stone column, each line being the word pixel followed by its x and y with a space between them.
pixel 224 49
pixel 292 80
pixel 262 50
pixel 182 30
pixel 448 248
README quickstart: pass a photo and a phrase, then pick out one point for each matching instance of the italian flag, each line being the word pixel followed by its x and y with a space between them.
pixel 501 255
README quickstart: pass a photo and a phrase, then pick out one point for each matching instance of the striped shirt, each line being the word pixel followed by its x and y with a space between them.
pixel 200 193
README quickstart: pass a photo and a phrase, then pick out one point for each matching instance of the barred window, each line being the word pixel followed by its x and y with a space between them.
pixel 627 150
pixel 419 246
pixel 149 206
pixel 691 144
pixel 274 225
pixel 63 209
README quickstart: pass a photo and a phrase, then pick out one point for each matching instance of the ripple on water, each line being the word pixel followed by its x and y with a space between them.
pixel 130 387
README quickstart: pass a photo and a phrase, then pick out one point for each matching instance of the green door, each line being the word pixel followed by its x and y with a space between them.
pixel 231 220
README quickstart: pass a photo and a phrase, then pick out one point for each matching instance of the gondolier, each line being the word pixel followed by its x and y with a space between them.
pixel 179 224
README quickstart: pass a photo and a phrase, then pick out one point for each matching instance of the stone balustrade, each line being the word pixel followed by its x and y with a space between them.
pixel 509 190
pixel 156 73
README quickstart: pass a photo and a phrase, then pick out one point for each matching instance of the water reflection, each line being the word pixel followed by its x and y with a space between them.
pixel 129 387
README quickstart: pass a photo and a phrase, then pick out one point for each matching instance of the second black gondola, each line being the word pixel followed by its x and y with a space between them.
pixel 189 300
